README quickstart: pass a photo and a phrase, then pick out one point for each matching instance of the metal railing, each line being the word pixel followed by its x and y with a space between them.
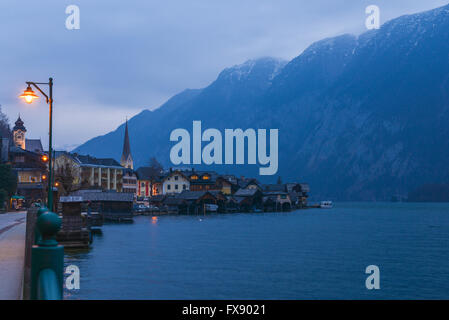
pixel 47 258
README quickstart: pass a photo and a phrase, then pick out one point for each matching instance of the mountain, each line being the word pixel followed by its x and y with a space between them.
pixel 359 118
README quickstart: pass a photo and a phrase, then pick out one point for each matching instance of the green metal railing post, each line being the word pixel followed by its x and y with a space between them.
pixel 47 260
pixel 37 234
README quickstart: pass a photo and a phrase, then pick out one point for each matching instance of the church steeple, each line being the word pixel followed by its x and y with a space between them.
pixel 126 160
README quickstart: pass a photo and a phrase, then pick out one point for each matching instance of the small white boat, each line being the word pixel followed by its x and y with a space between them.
pixel 211 207
pixel 326 205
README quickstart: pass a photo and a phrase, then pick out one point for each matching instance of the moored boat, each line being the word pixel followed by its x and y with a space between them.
pixel 326 204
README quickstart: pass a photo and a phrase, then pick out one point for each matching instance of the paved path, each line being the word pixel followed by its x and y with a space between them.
pixel 12 251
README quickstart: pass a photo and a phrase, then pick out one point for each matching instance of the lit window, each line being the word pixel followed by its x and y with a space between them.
pixel 194 177
pixel 206 177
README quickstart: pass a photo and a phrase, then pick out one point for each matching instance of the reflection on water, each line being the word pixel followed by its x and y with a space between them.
pixel 307 254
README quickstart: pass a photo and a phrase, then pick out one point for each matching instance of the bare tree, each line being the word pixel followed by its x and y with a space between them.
pixel 155 168
pixel 5 130
pixel 65 176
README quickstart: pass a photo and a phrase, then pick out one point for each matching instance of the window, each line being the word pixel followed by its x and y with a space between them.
pixel 194 177
pixel 184 187
pixel 168 187
pixel 206 177
pixel 176 186
pixel 143 184
pixel 19 159
pixel 176 178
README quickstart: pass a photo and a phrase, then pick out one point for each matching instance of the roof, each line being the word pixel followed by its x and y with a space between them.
pixel 98 195
pixel 144 173
pixel 245 192
pixel 244 182
pixel 275 187
pixel 239 200
pixel 157 198
pixel 274 193
pixel 87 160
pixel 192 195
pixel 174 172
pixel 229 177
pixel 212 174
pixel 173 201
pixel 34 145
pixel 19 125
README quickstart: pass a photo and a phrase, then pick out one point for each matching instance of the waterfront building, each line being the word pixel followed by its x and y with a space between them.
pixel 175 182
pixel 197 201
pixel 249 183
pixel 249 198
pixel 280 199
pixel 113 205
pixel 144 177
pixel 91 172
pixel 224 185
pixel 127 159
pixel 130 181
pixel 157 185
pixel 202 180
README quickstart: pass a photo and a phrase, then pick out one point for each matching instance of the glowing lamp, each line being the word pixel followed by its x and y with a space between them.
pixel 28 95
pixel 44 158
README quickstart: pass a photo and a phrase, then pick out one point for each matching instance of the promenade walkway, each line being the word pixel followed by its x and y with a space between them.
pixel 12 251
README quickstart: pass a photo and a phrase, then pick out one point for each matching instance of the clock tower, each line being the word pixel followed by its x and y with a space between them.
pixel 19 134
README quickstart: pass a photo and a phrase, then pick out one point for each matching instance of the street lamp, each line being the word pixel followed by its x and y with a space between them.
pixel 29 96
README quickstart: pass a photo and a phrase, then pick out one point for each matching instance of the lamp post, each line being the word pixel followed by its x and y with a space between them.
pixel 29 96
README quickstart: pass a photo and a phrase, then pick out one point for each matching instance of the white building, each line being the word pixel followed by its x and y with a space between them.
pixel 175 182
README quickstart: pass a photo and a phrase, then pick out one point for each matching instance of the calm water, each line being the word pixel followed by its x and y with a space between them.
pixel 307 254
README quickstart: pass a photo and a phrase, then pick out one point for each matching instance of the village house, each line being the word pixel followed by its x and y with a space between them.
pixel 202 180
pixel 144 182
pixel 249 183
pixel 157 185
pixel 175 182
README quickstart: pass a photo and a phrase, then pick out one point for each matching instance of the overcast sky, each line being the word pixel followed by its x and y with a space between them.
pixel 133 55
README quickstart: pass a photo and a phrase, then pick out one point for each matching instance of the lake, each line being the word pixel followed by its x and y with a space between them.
pixel 304 254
